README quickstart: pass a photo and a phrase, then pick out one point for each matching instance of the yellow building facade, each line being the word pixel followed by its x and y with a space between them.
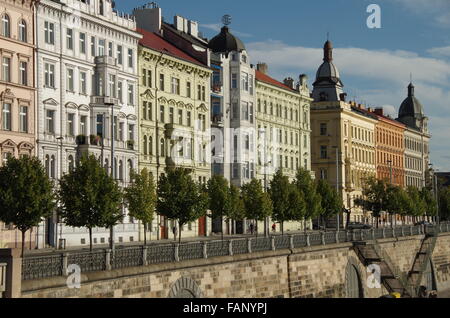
pixel 174 118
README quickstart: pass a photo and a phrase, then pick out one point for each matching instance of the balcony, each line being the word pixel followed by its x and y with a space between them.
pixel 217 120
pixel 217 88
pixel 104 100
pixel 105 59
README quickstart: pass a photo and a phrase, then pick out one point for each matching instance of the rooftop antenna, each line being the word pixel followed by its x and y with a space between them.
pixel 226 19
pixel 328 36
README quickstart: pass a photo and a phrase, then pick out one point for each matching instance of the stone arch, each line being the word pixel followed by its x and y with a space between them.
pixel 354 287
pixel 185 287
pixel 429 277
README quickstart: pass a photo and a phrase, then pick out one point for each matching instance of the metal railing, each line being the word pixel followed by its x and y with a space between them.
pixel 38 267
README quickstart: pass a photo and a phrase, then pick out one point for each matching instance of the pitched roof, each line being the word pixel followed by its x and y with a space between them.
pixel 260 76
pixel 155 42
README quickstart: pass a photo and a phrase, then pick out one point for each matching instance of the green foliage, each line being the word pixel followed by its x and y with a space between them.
pixel 429 199
pixel 288 202
pixel 180 198
pixel 331 201
pixel 140 197
pixel 257 203
pixel 375 193
pixel 416 205
pixel 444 203
pixel 237 210
pixel 89 197
pixel 26 194
pixel 307 187
pixel 219 197
pixel 397 200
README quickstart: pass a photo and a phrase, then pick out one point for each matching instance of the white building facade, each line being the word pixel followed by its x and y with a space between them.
pixel 87 77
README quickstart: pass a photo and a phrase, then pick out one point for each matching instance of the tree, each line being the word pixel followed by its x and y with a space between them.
pixel 140 197
pixel 219 198
pixel 397 201
pixel 375 197
pixel 180 198
pixel 257 203
pixel 429 199
pixel 307 187
pixel 331 202
pixel 444 203
pixel 26 194
pixel 416 205
pixel 287 200
pixel 89 197
pixel 237 210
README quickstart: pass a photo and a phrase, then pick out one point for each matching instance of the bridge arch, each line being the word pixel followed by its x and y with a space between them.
pixel 353 280
pixel 185 287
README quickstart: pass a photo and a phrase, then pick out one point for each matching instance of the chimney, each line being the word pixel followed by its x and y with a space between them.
pixel 289 82
pixel 303 79
pixel 262 67
pixel 178 22
pixel 149 17
pixel 379 111
pixel 193 28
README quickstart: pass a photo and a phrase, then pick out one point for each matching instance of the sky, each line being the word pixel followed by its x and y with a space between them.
pixel 376 65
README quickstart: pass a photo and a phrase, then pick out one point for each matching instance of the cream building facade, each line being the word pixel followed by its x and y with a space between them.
pixel 17 94
pixel 343 138
pixel 174 120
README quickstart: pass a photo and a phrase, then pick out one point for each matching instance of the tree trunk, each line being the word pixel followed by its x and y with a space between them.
pixel 23 242
pixel 145 234
pixel 90 239
pixel 179 232
pixel 282 228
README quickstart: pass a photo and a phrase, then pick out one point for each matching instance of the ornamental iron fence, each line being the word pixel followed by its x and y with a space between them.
pixel 52 265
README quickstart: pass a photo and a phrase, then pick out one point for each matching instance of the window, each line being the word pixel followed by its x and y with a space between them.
pixel 83 125
pixel 71 163
pixel 121 129
pixel 112 85
pixel 70 80
pixel 69 39
pixel 119 55
pixel 99 125
pixel 70 124
pixel 6 116
pixel 93 46
pixel 180 117
pixel 130 132
pixel 130 58
pixel 251 84
pixel 150 111
pixel 171 115
pixel 23 73
pixel 233 80
pixel 110 49
pixel 204 93
pixel 101 8
pixel 50 121
pixel 83 43
pixel 6 26
pixel 144 77
pixel 83 84
pixel 323 129
pixel 161 82
pixel 323 174
pixel 23 31
pixel 250 112
pixel 175 86
pixel 244 80
pixel 130 94
pixel 23 119
pixel 188 119
pixel 323 152
pixel 188 89
pixel 163 148
pixel 161 114
pixel 144 110
pixel 6 69
pixel 244 111
pixel 49 31
pixel 101 47
pixel 199 92
pixel 119 91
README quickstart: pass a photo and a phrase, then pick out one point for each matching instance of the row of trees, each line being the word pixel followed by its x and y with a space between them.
pixel 89 197
pixel 380 196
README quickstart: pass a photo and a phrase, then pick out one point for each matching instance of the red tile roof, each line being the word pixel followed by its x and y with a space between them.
pixel 155 42
pixel 260 76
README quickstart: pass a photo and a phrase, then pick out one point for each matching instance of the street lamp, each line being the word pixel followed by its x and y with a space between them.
pixel 61 139
pixel 111 231
pixel 337 183
pixel 262 132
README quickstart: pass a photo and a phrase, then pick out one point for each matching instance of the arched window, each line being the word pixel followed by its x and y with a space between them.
pixel 121 170
pixel 52 167
pixel 6 26
pixel 163 148
pixel 23 31
pixel 150 145
pixel 145 146
pixel 101 7
pixel 71 163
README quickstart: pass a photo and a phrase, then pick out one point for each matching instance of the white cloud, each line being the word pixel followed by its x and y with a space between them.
pixel 381 78
pixel 439 51
pixel 438 9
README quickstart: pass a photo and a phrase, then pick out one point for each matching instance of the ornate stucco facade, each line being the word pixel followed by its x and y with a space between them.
pixel 174 117
pixel 17 93
pixel 86 70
